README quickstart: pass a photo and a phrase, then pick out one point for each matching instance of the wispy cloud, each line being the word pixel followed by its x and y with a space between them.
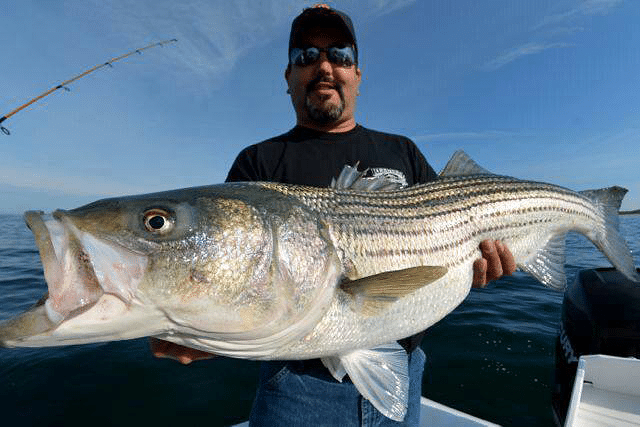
pixel 214 35
pixel 383 7
pixel 546 34
pixel 579 10
pixel 520 51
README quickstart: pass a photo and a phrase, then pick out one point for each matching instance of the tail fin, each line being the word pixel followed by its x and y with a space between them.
pixel 610 199
pixel 612 243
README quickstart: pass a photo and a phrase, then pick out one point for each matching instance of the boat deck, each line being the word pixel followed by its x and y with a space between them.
pixel 606 393
pixel 434 414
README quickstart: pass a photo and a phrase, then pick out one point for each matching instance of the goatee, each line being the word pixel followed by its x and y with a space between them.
pixel 324 114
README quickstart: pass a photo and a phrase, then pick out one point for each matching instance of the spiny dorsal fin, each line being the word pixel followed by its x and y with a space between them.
pixel 373 294
pixel 461 164
pixel 351 178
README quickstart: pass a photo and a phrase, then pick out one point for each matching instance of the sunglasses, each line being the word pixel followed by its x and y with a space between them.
pixel 341 55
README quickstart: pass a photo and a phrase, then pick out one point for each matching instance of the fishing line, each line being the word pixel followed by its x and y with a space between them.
pixel 64 84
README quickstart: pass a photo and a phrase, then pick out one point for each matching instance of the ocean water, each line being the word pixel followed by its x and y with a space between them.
pixel 492 357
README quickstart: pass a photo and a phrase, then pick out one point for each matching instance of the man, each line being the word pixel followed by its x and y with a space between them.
pixel 323 79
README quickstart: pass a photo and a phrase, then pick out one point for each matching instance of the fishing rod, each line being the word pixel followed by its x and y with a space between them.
pixel 64 84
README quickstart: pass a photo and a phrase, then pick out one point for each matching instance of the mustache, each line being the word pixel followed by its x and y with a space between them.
pixel 323 79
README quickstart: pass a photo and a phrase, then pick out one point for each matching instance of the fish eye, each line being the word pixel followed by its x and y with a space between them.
pixel 158 221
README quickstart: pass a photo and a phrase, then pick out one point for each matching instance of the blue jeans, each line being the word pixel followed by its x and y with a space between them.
pixel 303 393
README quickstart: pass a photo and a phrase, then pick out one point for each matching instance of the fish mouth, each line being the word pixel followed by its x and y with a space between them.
pixel 80 270
pixel 68 269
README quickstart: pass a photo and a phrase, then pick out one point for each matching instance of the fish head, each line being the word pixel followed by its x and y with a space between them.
pixel 205 262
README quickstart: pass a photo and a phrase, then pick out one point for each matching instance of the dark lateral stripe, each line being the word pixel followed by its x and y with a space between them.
pixel 423 191
pixel 415 213
pixel 417 234
pixel 432 196
pixel 431 200
pixel 433 189
pixel 429 196
pixel 444 246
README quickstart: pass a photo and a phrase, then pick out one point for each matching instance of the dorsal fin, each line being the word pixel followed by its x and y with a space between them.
pixel 461 164
pixel 352 179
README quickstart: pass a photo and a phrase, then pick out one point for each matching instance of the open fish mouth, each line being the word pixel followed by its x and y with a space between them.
pixel 83 274
pixel 68 269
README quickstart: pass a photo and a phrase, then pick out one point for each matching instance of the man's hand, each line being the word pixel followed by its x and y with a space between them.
pixel 185 355
pixel 496 261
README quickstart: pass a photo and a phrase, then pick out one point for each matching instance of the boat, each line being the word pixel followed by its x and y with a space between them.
pixel 606 392
pixel 597 372
pixel 434 414
pixel 438 415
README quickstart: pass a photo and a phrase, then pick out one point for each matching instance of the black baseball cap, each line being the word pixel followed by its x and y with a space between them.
pixel 321 15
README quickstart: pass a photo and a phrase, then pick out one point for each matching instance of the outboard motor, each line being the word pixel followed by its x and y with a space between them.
pixel 600 315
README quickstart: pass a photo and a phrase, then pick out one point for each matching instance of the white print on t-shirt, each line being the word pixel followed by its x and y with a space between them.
pixel 391 175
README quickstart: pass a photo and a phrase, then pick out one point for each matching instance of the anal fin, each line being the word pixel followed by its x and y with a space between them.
pixel 548 264
pixel 380 374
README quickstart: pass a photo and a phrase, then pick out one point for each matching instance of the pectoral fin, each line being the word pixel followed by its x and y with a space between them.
pixel 373 294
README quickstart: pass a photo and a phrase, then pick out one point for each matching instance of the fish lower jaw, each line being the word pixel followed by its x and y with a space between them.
pixel 109 319
pixel 107 308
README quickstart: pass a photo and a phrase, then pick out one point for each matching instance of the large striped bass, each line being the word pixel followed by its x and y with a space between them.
pixel 273 271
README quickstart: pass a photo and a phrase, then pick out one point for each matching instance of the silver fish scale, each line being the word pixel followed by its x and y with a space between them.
pixel 439 223
pixel 438 217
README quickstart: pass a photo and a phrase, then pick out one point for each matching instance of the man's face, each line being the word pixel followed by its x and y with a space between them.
pixel 323 93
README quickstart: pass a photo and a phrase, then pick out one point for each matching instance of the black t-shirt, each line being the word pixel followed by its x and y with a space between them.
pixel 304 156
pixel 307 157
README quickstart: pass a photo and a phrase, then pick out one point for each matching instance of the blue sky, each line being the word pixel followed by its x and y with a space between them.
pixel 538 89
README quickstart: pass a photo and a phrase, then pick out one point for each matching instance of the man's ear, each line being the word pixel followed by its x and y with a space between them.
pixel 287 72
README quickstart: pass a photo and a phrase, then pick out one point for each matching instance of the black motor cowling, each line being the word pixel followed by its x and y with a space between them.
pixel 600 315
